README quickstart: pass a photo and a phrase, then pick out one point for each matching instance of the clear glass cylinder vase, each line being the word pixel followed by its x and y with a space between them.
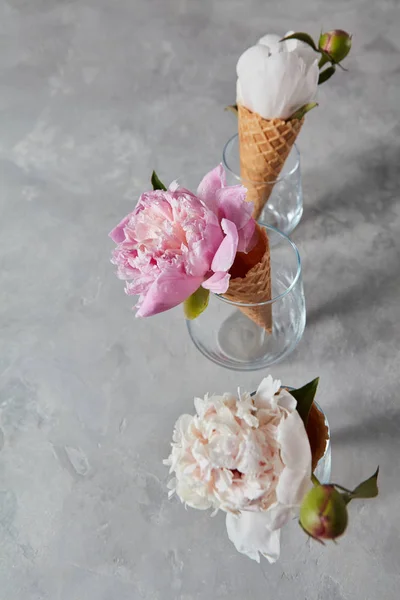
pixel 250 336
pixel 283 196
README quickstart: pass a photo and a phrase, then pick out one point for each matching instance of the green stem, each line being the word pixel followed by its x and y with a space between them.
pixel 233 108
pixel 342 488
pixel 299 114
pixel 347 498
pixel 314 480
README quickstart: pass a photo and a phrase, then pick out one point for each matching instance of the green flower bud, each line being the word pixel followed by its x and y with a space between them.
pixel 323 513
pixel 336 43
pixel 196 303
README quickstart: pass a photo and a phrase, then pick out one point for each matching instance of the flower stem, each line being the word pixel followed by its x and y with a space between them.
pixel 342 488
pixel 299 114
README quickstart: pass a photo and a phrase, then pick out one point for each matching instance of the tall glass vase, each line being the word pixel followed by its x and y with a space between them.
pixel 283 196
pixel 250 336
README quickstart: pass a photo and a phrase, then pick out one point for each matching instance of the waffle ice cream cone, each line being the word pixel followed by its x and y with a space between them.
pixel 264 145
pixel 251 282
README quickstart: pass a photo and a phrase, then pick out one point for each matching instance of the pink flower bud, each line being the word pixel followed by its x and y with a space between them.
pixel 336 43
pixel 323 513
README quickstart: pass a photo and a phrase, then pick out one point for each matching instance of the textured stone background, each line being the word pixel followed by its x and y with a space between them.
pixel 94 94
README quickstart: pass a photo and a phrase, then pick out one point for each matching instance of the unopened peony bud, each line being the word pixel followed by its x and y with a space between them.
pixel 336 43
pixel 323 513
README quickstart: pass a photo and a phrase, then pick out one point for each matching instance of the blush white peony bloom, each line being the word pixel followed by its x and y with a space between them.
pixel 248 456
pixel 274 45
pixel 276 78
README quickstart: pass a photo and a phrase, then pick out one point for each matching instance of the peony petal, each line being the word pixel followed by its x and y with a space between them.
pixel 266 392
pixel 250 68
pixel 117 234
pixel 293 484
pixel 272 41
pixel 174 186
pixel 250 534
pixel 189 497
pixel 287 401
pixel 311 82
pixel 247 237
pixel 239 93
pixel 225 255
pixel 169 290
pixel 298 83
pixel 217 283
pixel 176 189
pixel 295 446
pixel 275 85
pixel 274 94
pixel 295 479
pixel 261 80
pixel 251 59
pixel 300 48
pixel 279 515
pixel 209 185
pixel 232 205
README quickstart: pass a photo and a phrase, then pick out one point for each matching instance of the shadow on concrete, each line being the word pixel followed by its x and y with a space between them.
pixel 385 427
pixel 372 188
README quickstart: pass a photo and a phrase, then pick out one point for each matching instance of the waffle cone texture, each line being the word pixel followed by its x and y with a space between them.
pixel 264 145
pixel 318 434
pixel 251 282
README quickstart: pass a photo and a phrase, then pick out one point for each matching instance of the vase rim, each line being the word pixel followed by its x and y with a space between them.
pixel 225 160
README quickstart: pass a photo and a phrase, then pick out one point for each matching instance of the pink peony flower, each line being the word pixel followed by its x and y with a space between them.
pixel 248 456
pixel 175 241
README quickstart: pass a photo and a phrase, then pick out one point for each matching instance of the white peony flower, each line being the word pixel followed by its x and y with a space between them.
pixel 249 456
pixel 275 45
pixel 277 78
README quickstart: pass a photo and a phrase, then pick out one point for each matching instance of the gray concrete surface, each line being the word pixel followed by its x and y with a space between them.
pixel 94 94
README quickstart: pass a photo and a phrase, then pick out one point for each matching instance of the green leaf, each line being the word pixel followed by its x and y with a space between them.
pixel 305 397
pixel 233 108
pixel 327 74
pixel 156 182
pixel 302 37
pixel 299 114
pixel 368 488
pixel 196 303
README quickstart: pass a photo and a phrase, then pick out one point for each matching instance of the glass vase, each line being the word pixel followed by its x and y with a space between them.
pixel 229 333
pixel 284 196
